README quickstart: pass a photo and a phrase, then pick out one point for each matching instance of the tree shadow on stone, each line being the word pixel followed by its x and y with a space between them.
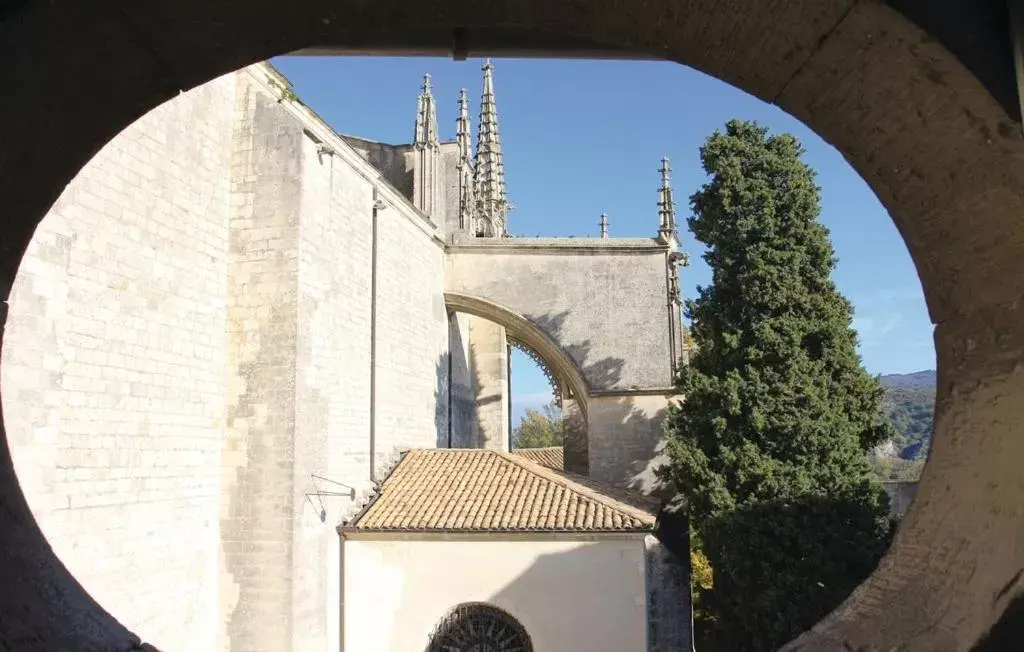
pixel 781 566
pixel 454 402
pixel 599 374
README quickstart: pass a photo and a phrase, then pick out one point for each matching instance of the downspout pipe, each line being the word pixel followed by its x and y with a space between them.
pixel 378 205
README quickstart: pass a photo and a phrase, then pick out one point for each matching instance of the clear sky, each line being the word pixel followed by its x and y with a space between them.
pixel 585 137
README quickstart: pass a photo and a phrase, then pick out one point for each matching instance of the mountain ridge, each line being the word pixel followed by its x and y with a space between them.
pixel 910 405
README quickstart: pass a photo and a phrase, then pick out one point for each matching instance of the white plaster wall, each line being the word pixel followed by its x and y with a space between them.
pixel 113 369
pixel 396 592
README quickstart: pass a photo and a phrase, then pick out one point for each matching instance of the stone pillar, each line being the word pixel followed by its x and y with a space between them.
pixel 575 448
pixel 461 389
pixel 489 361
pixel 669 609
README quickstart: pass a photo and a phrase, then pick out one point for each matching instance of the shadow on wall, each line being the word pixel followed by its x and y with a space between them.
pixel 564 605
pixel 454 407
pixel 599 374
pixel 619 439
pixel 1008 631
pixel 442 400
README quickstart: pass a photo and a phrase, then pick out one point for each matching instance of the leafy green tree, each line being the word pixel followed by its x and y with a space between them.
pixel 769 449
pixel 540 429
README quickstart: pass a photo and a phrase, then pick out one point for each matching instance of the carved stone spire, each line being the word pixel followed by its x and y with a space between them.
pixel 604 225
pixel 666 204
pixel 426 117
pixel 465 165
pixel 489 169
pixel 428 186
pixel 462 127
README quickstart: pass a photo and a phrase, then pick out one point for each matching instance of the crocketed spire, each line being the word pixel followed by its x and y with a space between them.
pixel 489 169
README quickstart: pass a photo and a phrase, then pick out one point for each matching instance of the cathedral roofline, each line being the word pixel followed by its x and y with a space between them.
pixel 467 243
pixel 272 81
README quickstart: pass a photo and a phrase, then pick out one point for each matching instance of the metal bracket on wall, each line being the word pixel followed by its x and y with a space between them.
pixel 322 512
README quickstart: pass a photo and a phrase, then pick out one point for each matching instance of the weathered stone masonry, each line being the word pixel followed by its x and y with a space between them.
pixel 234 318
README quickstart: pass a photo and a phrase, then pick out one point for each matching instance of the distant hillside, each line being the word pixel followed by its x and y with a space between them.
pixel 910 403
pixel 916 380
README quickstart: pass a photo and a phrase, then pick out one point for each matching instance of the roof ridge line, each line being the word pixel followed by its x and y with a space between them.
pixel 566 483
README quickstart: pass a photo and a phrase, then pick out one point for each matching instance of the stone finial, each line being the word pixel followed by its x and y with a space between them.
pixel 467 202
pixel 426 134
pixel 604 225
pixel 489 169
pixel 666 204
pixel 462 127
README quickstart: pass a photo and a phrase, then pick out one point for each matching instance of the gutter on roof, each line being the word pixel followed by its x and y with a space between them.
pixel 350 532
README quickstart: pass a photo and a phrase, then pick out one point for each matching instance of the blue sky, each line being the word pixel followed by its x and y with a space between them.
pixel 585 137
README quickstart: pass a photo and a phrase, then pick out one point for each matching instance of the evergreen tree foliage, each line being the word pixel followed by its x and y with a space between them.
pixel 769 449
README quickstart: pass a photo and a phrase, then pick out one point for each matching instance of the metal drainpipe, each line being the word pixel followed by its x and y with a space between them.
pixel 377 206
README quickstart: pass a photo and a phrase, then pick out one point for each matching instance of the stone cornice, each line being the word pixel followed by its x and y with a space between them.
pixel 266 77
pixel 578 246
pixel 668 392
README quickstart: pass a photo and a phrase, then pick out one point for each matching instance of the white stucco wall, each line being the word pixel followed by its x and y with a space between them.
pixel 571 596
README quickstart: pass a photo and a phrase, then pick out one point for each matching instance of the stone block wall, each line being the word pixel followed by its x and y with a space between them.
pixel 113 369
pixel 357 294
pixel 262 410
pixel 462 405
pixel 412 334
pixel 624 445
pixel 669 608
pixel 489 363
pixel 604 301
pixel 187 369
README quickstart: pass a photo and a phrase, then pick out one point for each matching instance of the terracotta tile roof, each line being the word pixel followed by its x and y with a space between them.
pixel 459 490
pixel 552 457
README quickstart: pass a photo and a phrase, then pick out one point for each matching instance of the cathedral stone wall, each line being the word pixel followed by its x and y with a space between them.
pixel 605 302
pixel 187 365
pixel 113 368
pixel 227 327
pixel 464 427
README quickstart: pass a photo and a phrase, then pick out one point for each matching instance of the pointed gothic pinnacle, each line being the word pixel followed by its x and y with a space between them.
pixel 462 127
pixel 426 117
pixel 604 225
pixel 489 169
pixel 666 205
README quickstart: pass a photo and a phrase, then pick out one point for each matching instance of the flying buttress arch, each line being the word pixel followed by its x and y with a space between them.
pixel 566 378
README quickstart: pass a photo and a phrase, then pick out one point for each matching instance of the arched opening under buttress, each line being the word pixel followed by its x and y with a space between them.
pixel 925 129
pixel 568 382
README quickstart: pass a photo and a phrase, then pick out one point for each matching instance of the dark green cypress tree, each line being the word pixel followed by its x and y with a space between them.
pixel 769 449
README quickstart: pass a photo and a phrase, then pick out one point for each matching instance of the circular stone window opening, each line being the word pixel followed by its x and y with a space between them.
pixel 479 628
